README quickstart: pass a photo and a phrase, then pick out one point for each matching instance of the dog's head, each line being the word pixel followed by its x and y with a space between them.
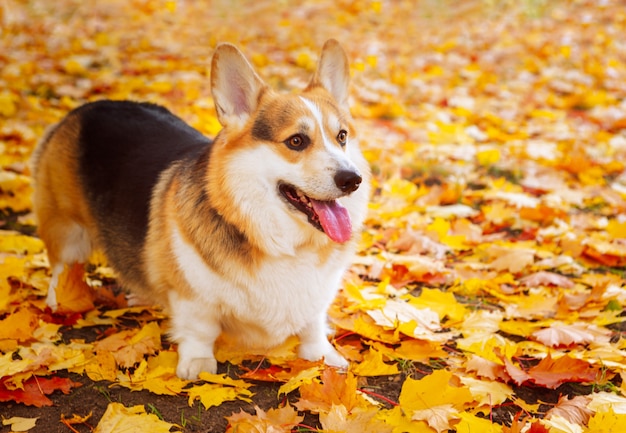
pixel 285 160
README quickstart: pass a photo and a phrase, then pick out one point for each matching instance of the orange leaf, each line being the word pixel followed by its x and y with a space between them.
pixel 552 373
pixel 335 389
pixel 73 294
pixel 19 325
pixel 274 420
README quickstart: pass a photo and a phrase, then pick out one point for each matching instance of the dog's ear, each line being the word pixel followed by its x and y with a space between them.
pixel 333 72
pixel 234 84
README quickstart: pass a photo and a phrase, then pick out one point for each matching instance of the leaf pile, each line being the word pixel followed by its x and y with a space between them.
pixel 489 286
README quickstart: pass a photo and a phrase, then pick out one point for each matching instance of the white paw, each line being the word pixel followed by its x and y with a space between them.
pixel 189 369
pixel 314 352
pixel 334 359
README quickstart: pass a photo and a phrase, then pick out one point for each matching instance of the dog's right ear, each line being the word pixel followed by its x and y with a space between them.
pixel 234 84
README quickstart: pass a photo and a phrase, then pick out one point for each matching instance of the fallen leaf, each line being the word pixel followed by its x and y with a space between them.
pixel 559 334
pixel 73 294
pixel 334 389
pixel 373 365
pixel 274 420
pixel 437 417
pixel 303 377
pixel 19 326
pixel 19 424
pixel 34 390
pixel 339 420
pixel 118 418
pixel 213 395
pixel 553 372
pixel 607 422
pixel 544 278
pixel 574 410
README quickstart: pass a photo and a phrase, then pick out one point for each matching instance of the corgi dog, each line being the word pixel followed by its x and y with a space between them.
pixel 248 234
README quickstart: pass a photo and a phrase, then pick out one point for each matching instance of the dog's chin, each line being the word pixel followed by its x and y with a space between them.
pixel 299 201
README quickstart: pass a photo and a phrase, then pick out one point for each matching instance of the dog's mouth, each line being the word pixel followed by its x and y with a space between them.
pixel 327 216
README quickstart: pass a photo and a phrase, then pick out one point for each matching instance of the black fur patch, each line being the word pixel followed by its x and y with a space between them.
pixel 124 146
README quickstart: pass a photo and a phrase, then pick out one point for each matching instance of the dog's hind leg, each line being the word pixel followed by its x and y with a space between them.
pixel 67 242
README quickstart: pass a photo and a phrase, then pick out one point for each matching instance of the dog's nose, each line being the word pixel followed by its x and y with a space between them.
pixel 347 180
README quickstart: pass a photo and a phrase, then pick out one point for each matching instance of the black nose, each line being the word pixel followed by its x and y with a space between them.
pixel 347 181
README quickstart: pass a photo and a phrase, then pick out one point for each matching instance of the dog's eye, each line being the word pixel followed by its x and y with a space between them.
pixel 342 137
pixel 297 142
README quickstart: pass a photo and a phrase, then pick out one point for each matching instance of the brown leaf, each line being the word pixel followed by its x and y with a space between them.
pixel 574 410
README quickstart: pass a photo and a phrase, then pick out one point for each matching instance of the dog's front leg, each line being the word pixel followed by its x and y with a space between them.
pixel 195 330
pixel 314 344
pixel 194 357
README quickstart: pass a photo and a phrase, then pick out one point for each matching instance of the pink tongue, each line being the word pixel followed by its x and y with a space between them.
pixel 334 219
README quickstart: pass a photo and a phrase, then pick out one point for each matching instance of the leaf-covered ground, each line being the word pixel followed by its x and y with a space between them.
pixel 488 294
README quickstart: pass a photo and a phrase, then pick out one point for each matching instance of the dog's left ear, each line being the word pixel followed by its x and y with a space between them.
pixel 333 72
pixel 234 84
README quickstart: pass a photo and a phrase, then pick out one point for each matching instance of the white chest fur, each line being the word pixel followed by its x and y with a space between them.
pixel 263 308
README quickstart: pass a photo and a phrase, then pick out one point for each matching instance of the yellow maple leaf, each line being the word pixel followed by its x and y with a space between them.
pixel 401 423
pixel 157 375
pixel 304 376
pixel 418 350
pixel 443 229
pixel 373 365
pixel 443 303
pixel 102 366
pixel 14 242
pixel 10 266
pixel 471 423
pixel 223 379
pixel 362 420
pixel 19 325
pixel 118 418
pixel 607 422
pixel 211 394
pixel 418 394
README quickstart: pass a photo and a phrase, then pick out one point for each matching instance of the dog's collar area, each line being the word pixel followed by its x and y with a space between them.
pixel 329 216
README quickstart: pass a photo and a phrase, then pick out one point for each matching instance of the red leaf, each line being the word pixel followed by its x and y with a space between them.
pixel 36 389
pixel 264 374
pixel 537 427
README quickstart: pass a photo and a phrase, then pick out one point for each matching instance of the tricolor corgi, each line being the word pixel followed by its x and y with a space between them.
pixel 248 234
